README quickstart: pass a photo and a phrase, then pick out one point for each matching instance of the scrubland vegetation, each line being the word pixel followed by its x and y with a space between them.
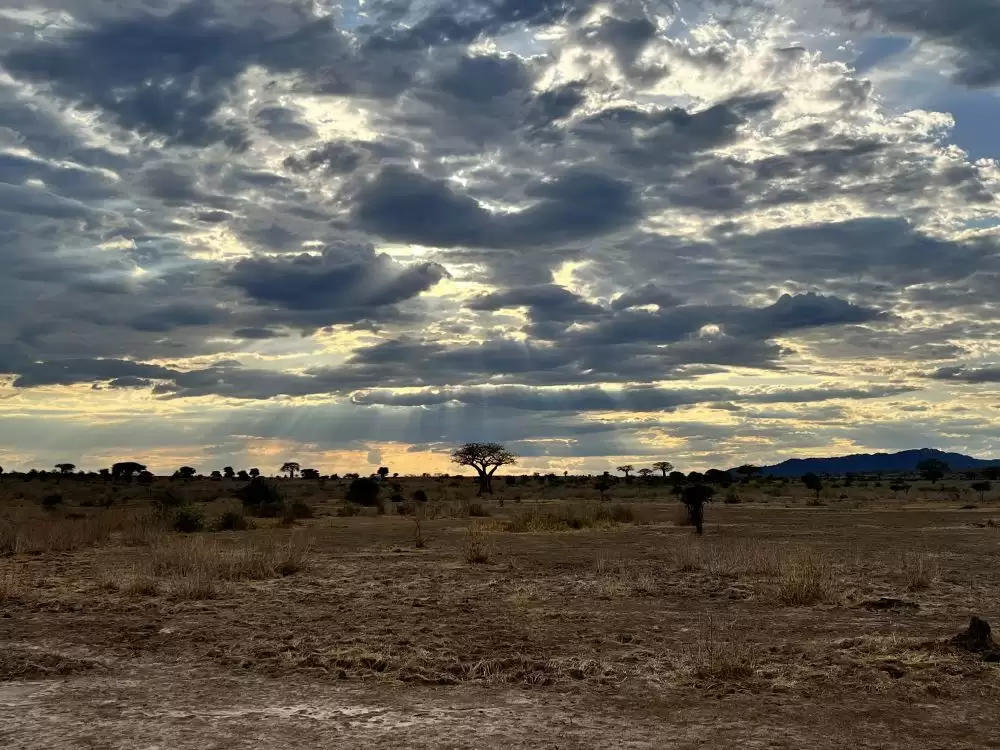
pixel 568 614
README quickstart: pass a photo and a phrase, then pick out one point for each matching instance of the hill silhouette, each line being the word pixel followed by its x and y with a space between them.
pixel 875 462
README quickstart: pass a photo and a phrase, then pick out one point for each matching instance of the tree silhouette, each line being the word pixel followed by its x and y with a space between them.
pixel 291 468
pixel 310 474
pixel 383 471
pixel 646 473
pixel 254 473
pixel 216 476
pixel 242 475
pixel 603 484
pixel 626 469
pixel 664 466
pixel 125 470
pixel 186 472
pixel 932 469
pixel 813 482
pixel 485 458
pixel 717 476
pixel 694 498
pixel 228 472
pixel 66 468
pixel 982 488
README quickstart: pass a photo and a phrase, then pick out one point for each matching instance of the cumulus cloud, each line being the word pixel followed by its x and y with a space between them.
pixel 536 210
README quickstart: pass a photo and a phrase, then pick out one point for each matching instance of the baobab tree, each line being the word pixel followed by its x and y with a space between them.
pixel 664 466
pixel 485 458
pixel 291 468
pixel 646 473
pixel 626 469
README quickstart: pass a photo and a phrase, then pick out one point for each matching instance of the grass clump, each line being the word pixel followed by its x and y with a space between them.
pixel 919 571
pixel 807 578
pixel 564 517
pixel 723 654
pixel 478 548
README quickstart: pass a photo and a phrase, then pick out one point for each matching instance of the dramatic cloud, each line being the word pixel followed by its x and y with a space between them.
pixel 709 231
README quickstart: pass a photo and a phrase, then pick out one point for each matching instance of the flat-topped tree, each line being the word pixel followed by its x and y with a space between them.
pixel 485 458
pixel 626 469
pixel 664 466
pixel 66 468
pixel 291 468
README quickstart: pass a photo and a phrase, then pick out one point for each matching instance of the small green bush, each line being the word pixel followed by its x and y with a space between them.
pixel 188 520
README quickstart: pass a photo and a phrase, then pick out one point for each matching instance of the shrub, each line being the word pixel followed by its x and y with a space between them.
pixel 262 499
pixel 419 496
pixel 364 492
pixel 396 498
pixel 299 509
pixel 52 501
pixel 231 520
pixel 732 497
pixel 168 501
pixel 476 510
pixel 188 520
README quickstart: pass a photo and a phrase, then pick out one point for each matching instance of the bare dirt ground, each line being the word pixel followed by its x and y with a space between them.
pixel 786 626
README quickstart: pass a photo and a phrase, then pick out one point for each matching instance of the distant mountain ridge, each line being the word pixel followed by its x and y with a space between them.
pixel 875 462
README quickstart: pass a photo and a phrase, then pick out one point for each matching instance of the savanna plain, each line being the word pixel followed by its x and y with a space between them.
pixel 180 615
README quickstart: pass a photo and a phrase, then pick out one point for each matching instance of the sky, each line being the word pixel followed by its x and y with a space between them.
pixel 713 232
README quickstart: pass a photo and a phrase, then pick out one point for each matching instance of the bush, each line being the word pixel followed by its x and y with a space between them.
pixel 262 499
pixel 231 520
pixel 364 492
pixel 52 501
pixel 732 498
pixel 476 510
pixel 168 501
pixel 419 496
pixel 299 509
pixel 188 520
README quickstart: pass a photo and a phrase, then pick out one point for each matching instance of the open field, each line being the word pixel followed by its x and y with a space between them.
pixel 549 621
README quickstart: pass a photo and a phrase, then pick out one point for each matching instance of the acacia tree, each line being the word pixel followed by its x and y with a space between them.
pixel 485 458
pixel 186 472
pixel 291 468
pixel 933 469
pixel 66 468
pixel 664 466
pixel 982 488
pixel 813 482
pixel 626 469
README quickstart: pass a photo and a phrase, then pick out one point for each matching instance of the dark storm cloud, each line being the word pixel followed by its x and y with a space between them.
pixel 595 398
pixel 67 372
pixel 968 374
pixel 970 27
pixel 340 284
pixel 577 204
pixel 170 74
pixel 546 301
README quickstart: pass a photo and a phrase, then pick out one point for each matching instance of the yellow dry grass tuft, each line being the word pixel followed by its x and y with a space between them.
pixel 479 547
pixel 807 578
pixel 723 653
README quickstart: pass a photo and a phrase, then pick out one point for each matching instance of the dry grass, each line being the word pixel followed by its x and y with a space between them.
pixel 25 533
pixel 194 567
pixel 919 570
pixel 567 517
pixel 731 557
pixel 619 577
pixel 723 653
pixel 807 578
pixel 11 588
pixel 478 548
